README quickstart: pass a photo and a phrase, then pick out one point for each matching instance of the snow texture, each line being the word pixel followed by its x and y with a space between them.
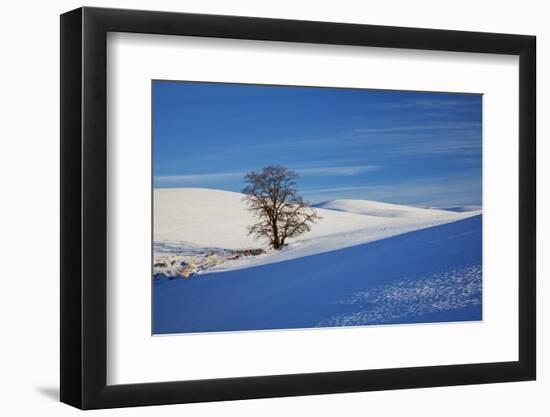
pixel 351 269
pixel 410 298
pixel 199 231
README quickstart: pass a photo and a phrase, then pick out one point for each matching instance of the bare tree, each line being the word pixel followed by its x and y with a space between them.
pixel 280 212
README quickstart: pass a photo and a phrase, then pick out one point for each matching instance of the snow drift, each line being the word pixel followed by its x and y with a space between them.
pixel 428 275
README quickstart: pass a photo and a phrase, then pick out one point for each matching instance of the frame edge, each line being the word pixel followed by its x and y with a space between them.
pixel 528 207
pixel 83 202
pixel 70 215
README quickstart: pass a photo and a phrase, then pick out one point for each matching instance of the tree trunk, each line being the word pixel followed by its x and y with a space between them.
pixel 276 242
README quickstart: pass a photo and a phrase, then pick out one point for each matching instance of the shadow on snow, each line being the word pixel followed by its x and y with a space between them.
pixel 430 275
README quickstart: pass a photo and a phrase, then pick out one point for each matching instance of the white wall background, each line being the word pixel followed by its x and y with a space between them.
pixel 29 176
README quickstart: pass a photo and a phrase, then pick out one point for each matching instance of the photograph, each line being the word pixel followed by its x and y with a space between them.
pixel 279 205
pixel 297 207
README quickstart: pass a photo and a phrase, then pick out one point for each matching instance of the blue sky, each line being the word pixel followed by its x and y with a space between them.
pixel 400 147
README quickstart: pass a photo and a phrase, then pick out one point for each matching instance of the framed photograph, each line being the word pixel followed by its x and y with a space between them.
pixel 257 208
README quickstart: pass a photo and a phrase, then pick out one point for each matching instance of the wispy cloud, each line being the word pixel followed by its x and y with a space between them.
pixel 438 104
pixel 338 170
pixel 220 177
pixel 198 178
pixel 459 139
pixel 451 125
pixel 349 143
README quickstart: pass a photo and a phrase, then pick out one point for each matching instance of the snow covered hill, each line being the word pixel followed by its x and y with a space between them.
pixel 429 275
pixel 199 231
pixel 378 209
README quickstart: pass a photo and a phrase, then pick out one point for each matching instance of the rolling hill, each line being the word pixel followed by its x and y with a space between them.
pixel 191 221
pixel 363 263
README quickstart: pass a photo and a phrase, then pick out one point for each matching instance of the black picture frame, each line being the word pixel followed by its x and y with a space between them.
pixel 84 207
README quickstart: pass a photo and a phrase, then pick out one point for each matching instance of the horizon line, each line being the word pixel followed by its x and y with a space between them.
pixel 418 205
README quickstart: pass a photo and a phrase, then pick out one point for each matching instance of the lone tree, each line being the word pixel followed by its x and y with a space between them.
pixel 280 212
